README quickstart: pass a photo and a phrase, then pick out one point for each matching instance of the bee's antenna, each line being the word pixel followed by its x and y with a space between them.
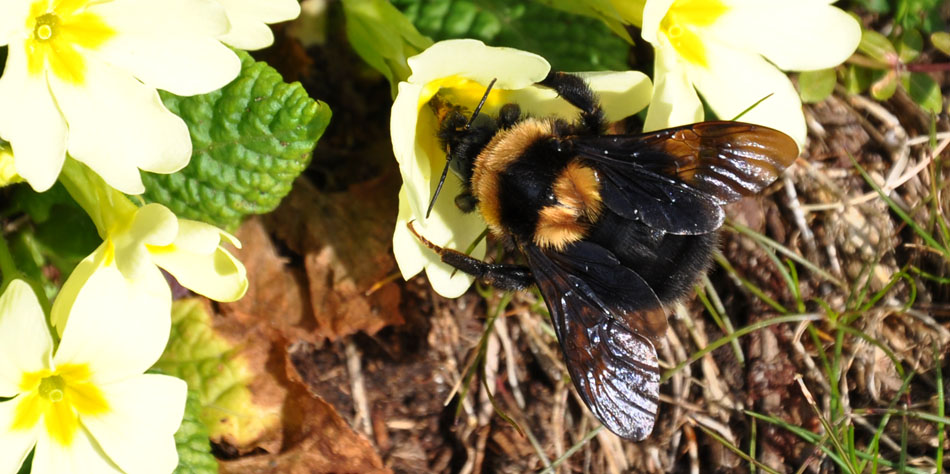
pixel 480 104
pixel 448 157
pixel 438 188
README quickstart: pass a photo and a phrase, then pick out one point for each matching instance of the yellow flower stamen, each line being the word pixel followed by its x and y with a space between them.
pixel 61 30
pixel 58 397
pixel 681 22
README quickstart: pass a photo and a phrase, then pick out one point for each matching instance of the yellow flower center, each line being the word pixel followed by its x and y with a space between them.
pixel 682 21
pixel 457 90
pixel 57 397
pixel 62 30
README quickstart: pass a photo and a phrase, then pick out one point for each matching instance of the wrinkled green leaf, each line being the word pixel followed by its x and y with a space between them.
pixel 941 41
pixel 815 86
pixel 192 443
pixel 924 90
pixel 877 47
pixel 569 42
pixel 251 139
pixel 218 372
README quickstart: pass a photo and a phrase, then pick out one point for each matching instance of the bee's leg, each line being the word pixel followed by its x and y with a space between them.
pixel 498 275
pixel 576 91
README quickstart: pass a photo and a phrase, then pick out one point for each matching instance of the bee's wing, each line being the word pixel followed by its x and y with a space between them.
pixel 676 179
pixel 604 315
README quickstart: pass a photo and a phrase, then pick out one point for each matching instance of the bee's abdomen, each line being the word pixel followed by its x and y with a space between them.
pixel 576 205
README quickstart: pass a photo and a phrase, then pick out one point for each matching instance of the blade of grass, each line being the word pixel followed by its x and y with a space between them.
pixel 941 403
pixel 735 450
pixel 923 234
pixel 573 449
pixel 713 304
pixel 793 318
pixel 765 241
pixel 755 290
pixel 814 439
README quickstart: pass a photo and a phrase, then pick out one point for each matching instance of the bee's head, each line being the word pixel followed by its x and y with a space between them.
pixel 463 139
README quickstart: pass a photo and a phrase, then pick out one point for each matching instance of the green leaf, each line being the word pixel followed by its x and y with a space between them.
pixel 857 79
pixel 569 42
pixel 218 371
pixel 924 90
pixel 923 14
pixel 885 86
pixel 614 15
pixel 941 41
pixel 909 46
pixel 192 442
pixel 817 85
pixel 62 234
pixel 877 47
pixel 383 37
pixel 251 140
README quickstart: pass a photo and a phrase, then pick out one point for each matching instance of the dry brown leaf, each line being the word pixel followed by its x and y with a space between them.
pixel 345 239
pixel 277 294
pixel 314 438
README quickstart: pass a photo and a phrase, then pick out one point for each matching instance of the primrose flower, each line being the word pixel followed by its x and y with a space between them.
pixel 249 19
pixel 81 77
pixel 459 72
pixel 86 405
pixel 731 52
pixel 139 241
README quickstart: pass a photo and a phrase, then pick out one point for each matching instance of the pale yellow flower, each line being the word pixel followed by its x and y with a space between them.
pixel 81 77
pixel 86 405
pixel 731 52
pixel 459 71
pixel 139 241
pixel 249 20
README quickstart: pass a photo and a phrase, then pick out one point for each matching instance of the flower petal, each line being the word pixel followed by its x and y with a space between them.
pixel 11 22
pixel 154 224
pixel 117 125
pixel 198 237
pixel 31 122
pixel 472 59
pixel 653 13
pixel 63 303
pixel 116 326
pixel 217 275
pixel 137 432
pixel 801 35
pixel 81 456
pixel 448 227
pixel 15 445
pixel 24 338
pixel 735 80
pixel 621 94
pixel 172 44
pixel 248 18
pixel 411 154
pixel 674 100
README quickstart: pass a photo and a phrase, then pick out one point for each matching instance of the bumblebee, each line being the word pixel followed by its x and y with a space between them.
pixel 613 227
